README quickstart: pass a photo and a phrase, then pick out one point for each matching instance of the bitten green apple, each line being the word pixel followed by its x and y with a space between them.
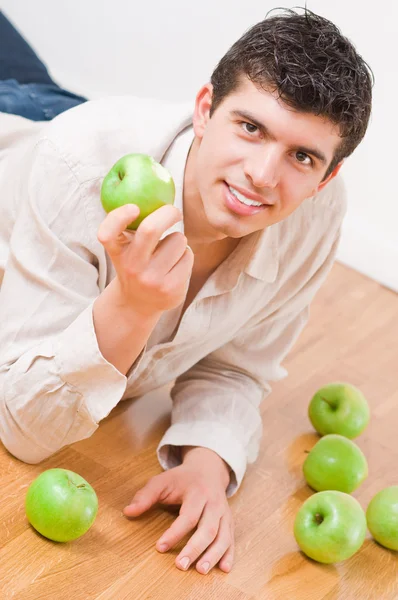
pixel 339 408
pixel 61 505
pixel 137 179
pixel 335 463
pixel 382 517
pixel 330 526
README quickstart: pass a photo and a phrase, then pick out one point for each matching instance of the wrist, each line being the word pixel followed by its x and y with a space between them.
pixel 205 456
pixel 121 333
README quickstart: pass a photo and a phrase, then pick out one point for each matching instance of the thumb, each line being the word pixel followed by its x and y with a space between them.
pixel 145 497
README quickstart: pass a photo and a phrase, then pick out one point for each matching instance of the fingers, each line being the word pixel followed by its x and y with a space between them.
pixel 190 513
pixel 110 232
pixel 217 552
pixel 181 271
pixel 146 497
pixel 174 264
pixel 213 541
pixel 213 534
pixel 227 560
pixel 168 252
pixel 151 230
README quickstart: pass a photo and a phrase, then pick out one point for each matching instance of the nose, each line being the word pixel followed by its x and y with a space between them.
pixel 262 167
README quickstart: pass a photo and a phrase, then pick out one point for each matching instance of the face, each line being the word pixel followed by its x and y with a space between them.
pixel 254 161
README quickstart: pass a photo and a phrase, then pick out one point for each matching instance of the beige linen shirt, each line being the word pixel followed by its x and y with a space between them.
pixel 55 385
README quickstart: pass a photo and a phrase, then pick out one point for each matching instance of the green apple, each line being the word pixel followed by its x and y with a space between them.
pixel 339 408
pixel 335 463
pixel 61 505
pixel 330 526
pixel 382 517
pixel 137 179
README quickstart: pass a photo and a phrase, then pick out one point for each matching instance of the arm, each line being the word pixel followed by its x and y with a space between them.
pixel 216 428
pixel 67 339
pixel 215 425
pixel 216 404
pixel 151 277
pixel 55 384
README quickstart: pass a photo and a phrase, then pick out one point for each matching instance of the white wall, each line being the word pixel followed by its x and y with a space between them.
pixel 168 49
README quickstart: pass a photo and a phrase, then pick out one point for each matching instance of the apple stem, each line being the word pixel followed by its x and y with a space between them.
pixel 81 485
pixel 328 402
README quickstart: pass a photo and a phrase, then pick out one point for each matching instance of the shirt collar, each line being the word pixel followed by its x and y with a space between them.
pixel 263 254
pixel 175 160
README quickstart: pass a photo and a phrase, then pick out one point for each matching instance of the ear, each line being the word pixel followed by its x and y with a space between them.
pixel 201 114
pixel 329 177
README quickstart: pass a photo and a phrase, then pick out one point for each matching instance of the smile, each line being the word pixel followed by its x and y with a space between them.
pixel 237 203
pixel 243 198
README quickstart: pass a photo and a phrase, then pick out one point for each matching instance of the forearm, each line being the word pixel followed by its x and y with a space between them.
pixel 121 332
pixel 56 392
pixel 218 409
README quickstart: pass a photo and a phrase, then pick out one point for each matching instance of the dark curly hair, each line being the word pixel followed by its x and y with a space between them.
pixel 312 67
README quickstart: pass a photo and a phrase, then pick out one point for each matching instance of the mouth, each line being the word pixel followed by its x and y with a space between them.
pixel 241 204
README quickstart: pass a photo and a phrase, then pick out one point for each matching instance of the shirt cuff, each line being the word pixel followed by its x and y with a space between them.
pixel 82 366
pixel 216 437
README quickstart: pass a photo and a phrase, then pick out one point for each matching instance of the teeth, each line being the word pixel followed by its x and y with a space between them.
pixel 243 198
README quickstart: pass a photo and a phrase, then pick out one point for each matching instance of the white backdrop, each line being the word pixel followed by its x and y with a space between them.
pixel 169 49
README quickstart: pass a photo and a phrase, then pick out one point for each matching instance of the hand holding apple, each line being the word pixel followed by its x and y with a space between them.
pixel 152 273
pixel 335 463
pixel 339 408
pixel 137 179
pixel 330 526
pixel 382 517
pixel 61 505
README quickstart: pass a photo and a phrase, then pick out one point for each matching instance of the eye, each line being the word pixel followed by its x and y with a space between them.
pixel 249 127
pixel 304 159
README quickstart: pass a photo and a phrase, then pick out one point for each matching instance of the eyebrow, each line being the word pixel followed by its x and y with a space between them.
pixel 265 131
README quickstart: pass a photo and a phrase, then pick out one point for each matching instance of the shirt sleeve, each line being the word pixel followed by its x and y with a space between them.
pixel 55 385
pixel 216 404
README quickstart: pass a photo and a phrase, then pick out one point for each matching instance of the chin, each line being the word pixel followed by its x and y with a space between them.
pixel 227 226
pixel 233 232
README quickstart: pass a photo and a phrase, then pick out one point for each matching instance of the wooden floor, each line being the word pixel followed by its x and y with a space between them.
pixel 352 336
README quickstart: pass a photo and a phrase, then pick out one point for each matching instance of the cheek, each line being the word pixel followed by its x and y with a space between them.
pixel 207 154
pixel 205 172
pixel 293 193
pixel 221 147
pixel 209 164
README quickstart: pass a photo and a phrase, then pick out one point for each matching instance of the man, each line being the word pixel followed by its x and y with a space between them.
pixel 92 314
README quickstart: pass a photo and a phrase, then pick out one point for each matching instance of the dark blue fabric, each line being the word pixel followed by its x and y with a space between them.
pixel 26 88
pixel 35 101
